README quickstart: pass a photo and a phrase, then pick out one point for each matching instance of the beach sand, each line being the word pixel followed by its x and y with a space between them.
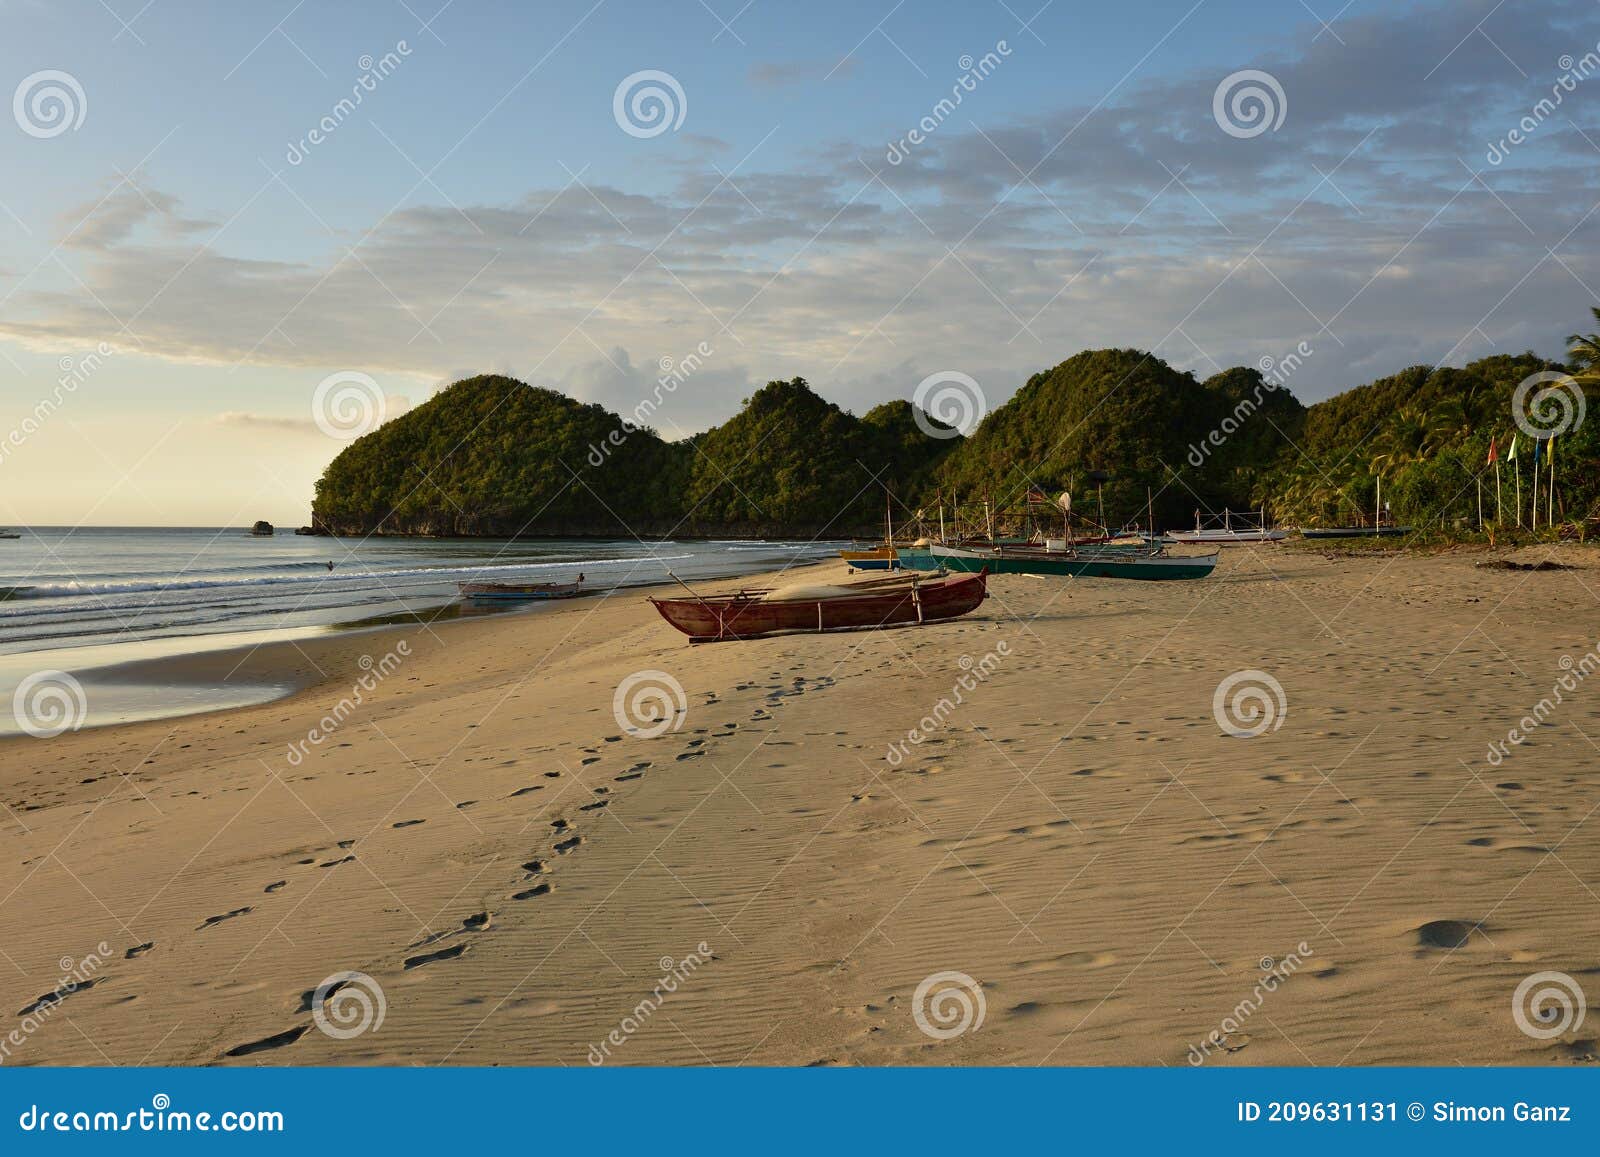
pixel 518 876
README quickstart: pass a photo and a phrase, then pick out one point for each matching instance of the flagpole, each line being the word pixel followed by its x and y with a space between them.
pixel 1550 490
pixel 1480 502
pixel 1499 518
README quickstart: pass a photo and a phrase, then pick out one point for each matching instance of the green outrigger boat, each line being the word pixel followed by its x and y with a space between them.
pixel 1085 562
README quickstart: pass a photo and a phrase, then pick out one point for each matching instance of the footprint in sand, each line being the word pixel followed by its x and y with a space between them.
pixel 1446 933
pixel 595 806
pixel 533 867
pixel 336 863
pixel 560 825
pixel 276 1041
pixel 526 790
pixel 477 922
pixel 1500 845
pixel 429 957
pixel 566 846
pixel 57 995
pixel 408 823
pixel 138 950
pixel 536 890
pixel 211 920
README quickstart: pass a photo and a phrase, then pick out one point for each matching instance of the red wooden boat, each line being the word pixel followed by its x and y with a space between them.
pixel 750 614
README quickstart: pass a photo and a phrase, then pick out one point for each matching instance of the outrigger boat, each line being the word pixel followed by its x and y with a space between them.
pixel 521 591
pixel 874 603
pixel 1084 562
pixel 881 556
pixel 1231 528
pixel 878 558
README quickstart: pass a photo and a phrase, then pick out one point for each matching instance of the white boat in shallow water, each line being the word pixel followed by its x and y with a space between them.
pixel 1230 528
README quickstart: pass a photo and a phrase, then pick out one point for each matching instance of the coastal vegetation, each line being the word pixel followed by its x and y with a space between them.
pixel 1120 427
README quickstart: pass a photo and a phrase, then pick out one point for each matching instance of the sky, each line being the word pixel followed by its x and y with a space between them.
pixel 233 234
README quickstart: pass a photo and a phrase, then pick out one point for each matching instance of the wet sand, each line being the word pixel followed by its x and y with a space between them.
pixel 1075 864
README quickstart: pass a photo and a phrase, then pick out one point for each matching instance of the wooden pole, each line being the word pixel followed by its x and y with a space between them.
pixel 1550 490
pixel 1533 516
pixel 1519 491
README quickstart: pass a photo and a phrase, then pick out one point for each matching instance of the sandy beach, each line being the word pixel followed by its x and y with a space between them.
pixel 769 881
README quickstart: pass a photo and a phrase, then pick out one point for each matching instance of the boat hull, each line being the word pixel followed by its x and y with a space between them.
pixel 750 617
pixel 1083 564
pixel 1225 537
pixel 511 592
pixel 879 558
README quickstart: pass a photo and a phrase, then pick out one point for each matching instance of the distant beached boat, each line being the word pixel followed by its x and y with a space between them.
pixel 520 591
pixel 1093 562
pixel 811 608
pixel 878 558
pixel 9 534
pixel 1231 528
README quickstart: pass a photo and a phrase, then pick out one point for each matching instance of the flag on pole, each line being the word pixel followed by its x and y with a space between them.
pixel 1512 457
pixel 1494 454
pixel 1537 443
pixel 1550 451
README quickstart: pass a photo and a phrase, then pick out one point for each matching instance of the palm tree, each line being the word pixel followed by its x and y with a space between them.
pixel 1584 350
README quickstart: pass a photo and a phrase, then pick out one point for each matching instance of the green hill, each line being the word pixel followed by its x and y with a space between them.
pixel 494 456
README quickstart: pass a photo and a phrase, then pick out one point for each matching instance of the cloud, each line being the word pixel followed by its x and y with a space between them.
pixel 782 74
pixel 996 248
pixel 393 406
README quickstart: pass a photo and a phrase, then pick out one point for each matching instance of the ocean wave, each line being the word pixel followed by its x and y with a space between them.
pixel 75 589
